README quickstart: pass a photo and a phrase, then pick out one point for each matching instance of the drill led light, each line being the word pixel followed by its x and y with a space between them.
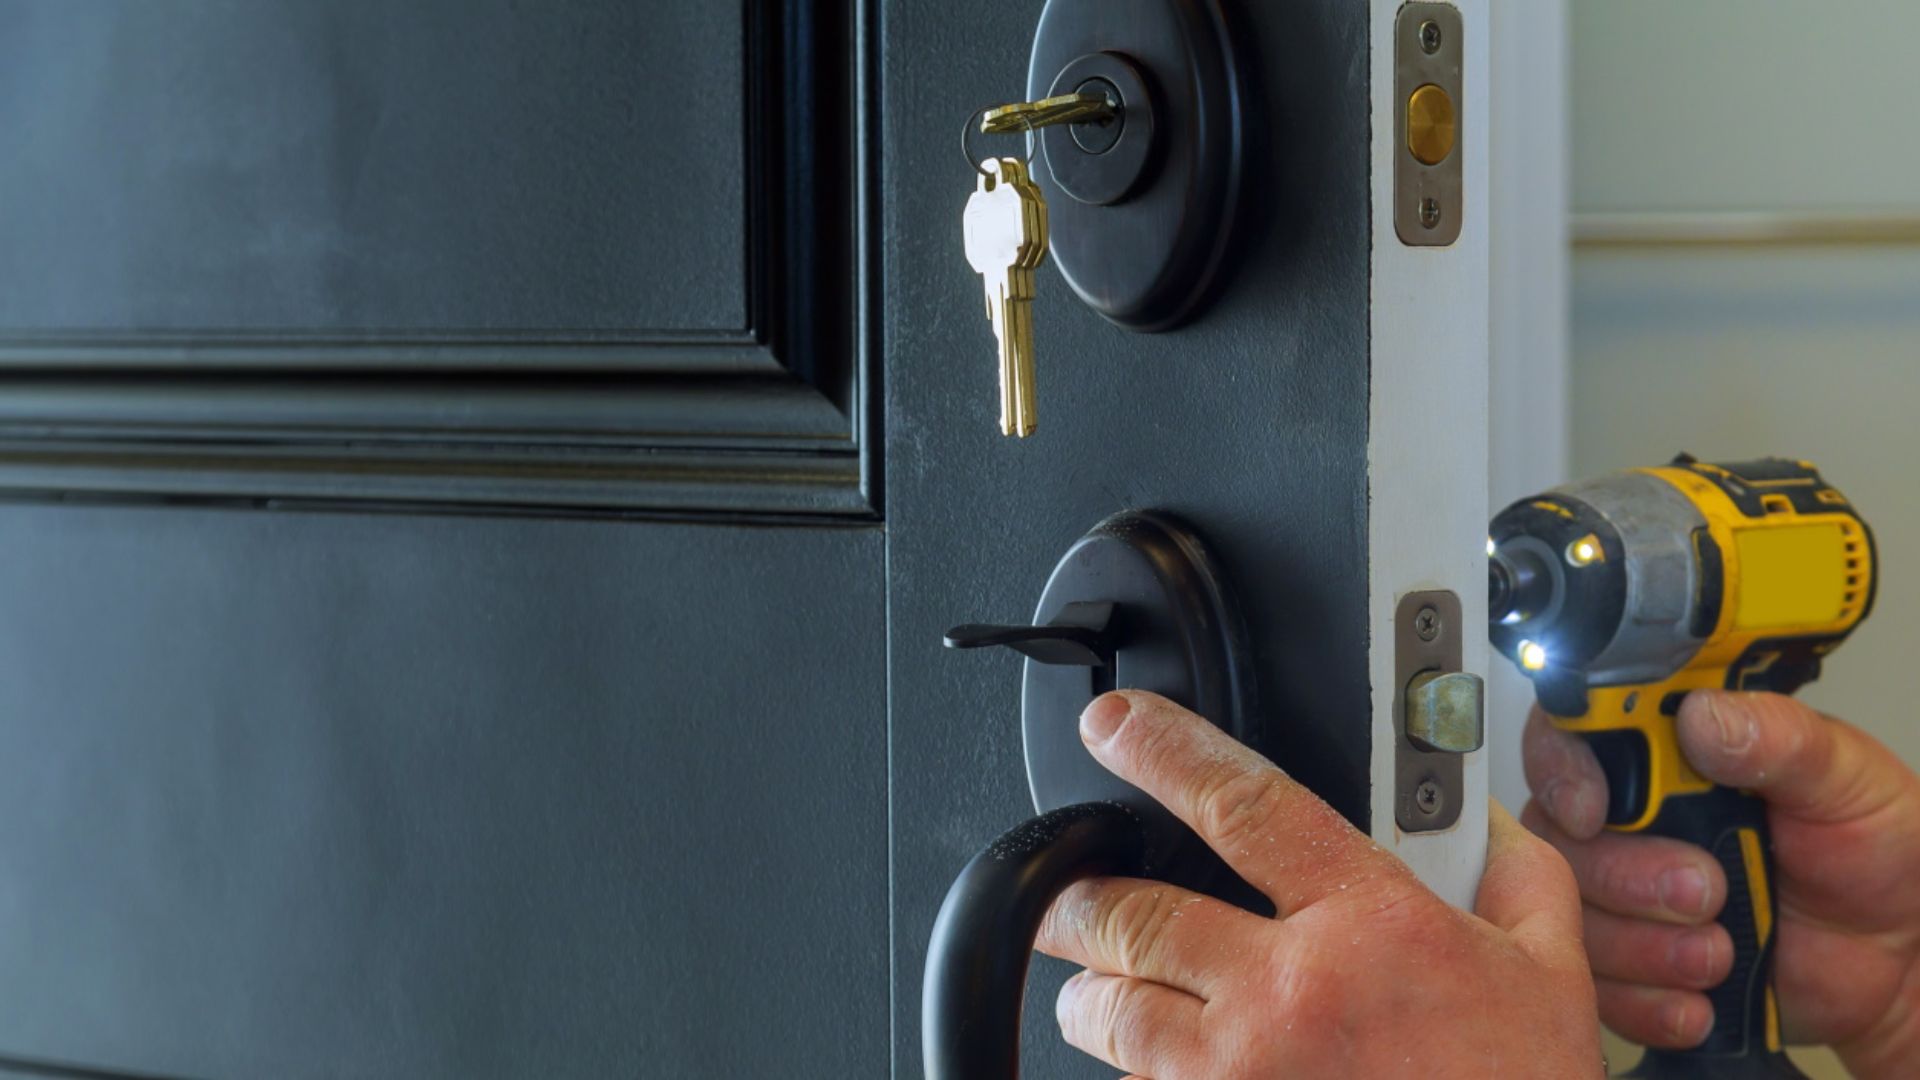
pixel 1533 655
pixel 1489 546
pixel 1584 551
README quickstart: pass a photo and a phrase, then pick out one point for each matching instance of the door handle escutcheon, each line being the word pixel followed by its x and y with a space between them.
pixel 1138 602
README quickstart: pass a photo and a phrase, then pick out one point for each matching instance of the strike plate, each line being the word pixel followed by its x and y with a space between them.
pixel 1429 785
pixel 1427 50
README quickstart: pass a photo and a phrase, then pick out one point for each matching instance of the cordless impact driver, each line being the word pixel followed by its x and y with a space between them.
pixel 1617 596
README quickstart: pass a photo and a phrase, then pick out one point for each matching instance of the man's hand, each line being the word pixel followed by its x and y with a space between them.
pixel 1845 815
pixel 1364 973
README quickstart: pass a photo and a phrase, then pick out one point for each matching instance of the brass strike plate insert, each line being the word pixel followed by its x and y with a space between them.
pixel 1428 102
pixel 1429 784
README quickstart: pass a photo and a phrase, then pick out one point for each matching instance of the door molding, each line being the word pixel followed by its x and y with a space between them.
pixel 773 417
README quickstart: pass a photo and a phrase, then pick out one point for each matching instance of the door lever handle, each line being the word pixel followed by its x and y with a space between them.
pixel 976 978
pixel 1078 637
pixel 1139 583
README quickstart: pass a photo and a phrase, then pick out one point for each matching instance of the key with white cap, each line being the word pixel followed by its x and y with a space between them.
pixel 1006 234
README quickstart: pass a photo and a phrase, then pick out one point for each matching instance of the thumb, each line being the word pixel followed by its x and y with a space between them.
pixel 1801 761
pixel 1527 889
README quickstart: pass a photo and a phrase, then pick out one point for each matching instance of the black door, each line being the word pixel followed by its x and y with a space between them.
pixel 485 483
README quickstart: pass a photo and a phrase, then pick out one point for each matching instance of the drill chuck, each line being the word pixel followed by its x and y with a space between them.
pixel 1519 586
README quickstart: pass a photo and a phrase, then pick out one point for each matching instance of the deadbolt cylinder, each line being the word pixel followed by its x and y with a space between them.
pixel 1102 163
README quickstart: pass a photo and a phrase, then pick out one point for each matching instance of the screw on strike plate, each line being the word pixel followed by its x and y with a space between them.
pixel 1427 797
pixel 1426 624
pixel 1430 37
pixel 1430 212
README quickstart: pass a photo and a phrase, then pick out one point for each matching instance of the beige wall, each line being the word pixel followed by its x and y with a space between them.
pixel 1711 104
pixel 1787 111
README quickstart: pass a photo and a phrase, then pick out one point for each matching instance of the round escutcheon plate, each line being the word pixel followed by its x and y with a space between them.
pixel 1141 212
pixel 1175 632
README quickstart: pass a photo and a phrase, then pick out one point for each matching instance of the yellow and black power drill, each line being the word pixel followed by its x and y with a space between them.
pixel 1617 596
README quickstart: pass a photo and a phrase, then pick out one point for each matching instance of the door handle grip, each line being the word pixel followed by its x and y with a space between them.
pixel 976 978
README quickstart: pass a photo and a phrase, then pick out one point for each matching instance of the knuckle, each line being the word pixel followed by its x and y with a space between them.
pixel 1239 804
pixel 1412 921
pixel 1135 925
pixel 1059 926
pixel 1123 1018
pixel 1609 877
pixel 1306 990
pixel 1787 726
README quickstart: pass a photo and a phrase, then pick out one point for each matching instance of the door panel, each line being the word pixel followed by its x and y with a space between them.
pixel 1251 423
pixel 301 794
pixel 598 254
pixel 372 166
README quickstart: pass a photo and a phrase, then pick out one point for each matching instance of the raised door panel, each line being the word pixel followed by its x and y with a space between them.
pixel 594 254
pixel 372 168
pixel 305 795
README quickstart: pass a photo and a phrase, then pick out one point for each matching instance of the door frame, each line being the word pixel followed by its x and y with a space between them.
pixel 1428 414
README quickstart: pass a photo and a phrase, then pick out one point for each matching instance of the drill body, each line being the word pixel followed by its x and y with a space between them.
pixel 1619 595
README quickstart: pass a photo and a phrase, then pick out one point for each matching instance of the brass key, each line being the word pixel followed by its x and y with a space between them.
pixel 1065 109
pixel 1006 235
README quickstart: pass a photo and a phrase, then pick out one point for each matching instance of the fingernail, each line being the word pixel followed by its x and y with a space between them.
pixel 1072 986
pixel 1569 802
pixel 1064 1002
pixel 1104 717
pixel 1736 731
pixel 1689 1025
pixel 1554 796
pixel 1683 891
pixel 1693 956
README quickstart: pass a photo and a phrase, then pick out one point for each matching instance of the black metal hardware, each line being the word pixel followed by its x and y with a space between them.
pixel 1143 234
pixel 1135 603
pixel 1077 637
pixel 976 981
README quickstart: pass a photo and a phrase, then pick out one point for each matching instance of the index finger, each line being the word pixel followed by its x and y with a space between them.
pixel 1564 775
pixel 1283 839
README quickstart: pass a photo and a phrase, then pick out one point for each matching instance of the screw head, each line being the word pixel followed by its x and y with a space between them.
pixel 1430 212
pixel 1426 624
pixel 1430 37
pixel 1427 797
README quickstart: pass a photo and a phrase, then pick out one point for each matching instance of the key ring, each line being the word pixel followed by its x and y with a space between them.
pixel 973 120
